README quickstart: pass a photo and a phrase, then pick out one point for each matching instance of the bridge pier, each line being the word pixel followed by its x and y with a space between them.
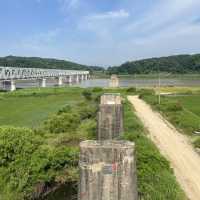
pixel 42 82
pixel 9 85
pixel 70 79
pixel 83 77
pixel 77 78
pixel 114 81
pixel 107 171
pixel 60 80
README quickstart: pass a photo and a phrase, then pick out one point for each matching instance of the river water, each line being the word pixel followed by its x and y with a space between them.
pixel 138 82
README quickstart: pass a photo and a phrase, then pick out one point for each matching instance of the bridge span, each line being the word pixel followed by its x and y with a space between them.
pixel 9 75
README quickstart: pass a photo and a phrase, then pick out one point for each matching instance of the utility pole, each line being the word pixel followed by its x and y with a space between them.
pixel 135 82
pixel 159 85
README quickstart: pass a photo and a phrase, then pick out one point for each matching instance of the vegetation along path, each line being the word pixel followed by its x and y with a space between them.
pixel 175 146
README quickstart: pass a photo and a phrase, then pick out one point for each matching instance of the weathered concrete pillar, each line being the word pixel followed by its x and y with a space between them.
pixel 107 171
pixel 60 80
pixel 110 117
pixel 114 81
pixel 42 82
pixel 83 77
pixel 70 79
pixel 77 78
pixel 9 85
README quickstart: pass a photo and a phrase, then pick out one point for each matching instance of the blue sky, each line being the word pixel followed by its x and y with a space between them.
pixel 99 32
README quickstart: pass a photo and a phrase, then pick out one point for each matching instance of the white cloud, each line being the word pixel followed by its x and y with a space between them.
pixel 69 4
pixel 102 24
pixel 110 15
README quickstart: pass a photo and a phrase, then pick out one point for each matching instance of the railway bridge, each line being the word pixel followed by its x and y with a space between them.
pixel 9 76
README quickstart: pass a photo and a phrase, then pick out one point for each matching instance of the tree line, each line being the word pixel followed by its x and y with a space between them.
pixel 172 64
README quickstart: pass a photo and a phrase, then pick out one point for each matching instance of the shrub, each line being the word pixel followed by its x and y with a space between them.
pixel 197 142
pixel 16 143
pixel 174 106
pixel 131 90
pixel 145 92
pixel 62 123
pixel 87 94
pixel 65 109
pixel 97 89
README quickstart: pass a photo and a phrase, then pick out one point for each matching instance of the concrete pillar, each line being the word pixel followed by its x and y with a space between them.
pixel 110 117
pixel 42 82
pixel 70 79
pixel 114 81
pixel 107 171
pixel 60 80
pixel 77 78
pixel 83 77
pixel 9 85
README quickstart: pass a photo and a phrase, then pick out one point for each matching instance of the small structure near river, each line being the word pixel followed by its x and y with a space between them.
pixel 114 81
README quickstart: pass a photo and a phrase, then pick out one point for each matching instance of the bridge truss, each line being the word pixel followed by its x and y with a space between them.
pixel 15 73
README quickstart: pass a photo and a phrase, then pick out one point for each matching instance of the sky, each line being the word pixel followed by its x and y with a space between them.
pixel 99 32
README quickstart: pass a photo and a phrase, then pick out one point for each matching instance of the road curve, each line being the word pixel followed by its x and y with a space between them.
pixel 173 145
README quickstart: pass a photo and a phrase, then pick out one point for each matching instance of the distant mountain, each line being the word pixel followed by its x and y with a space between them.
pixel 171 64
pixel 36 62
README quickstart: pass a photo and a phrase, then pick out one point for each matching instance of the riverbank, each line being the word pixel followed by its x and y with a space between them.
pixel 48 154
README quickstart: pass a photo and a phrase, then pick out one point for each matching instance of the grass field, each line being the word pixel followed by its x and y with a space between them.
pixel 32 106
pixel 190 103
pixel 182 109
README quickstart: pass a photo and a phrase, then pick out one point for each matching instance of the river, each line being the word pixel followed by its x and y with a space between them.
pixel 138 82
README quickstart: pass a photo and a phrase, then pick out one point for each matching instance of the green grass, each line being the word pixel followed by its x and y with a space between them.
pixel 47 155
pixel 190 103
pixel 32 106
pixel 182 110
pixel 156 180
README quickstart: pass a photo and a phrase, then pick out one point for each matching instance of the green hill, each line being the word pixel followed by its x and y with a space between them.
pixel 172 64
pixel 36 62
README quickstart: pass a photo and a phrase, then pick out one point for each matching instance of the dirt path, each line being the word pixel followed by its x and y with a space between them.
pixel 174 146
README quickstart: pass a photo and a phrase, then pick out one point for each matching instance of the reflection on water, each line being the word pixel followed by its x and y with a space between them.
pixel 123 83
pixel 65 192
pixel 142 82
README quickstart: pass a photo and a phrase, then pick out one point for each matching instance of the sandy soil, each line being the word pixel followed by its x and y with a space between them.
pixel 174 146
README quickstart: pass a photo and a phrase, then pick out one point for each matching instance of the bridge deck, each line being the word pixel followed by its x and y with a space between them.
pixel 8 73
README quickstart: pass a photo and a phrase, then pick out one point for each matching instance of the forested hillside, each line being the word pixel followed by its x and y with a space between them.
pixel 34 62
pixel 171 64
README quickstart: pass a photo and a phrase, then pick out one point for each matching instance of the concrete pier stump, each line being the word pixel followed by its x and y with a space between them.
pixel 114 81
pixel 110 117
pixel 107 171
pixel 42 82
pixel 60 80
pixel 9 85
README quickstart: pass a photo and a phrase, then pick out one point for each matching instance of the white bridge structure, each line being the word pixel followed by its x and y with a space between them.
pixel 9 76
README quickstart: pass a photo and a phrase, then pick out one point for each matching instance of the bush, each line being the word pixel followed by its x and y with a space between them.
pixel 197 143
pixel 97 89
pixel 131 90
pixel 87 94
pixel 62 123
pixel 16 143
pixel 145 92
pixel 174 106
pixel 65 109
